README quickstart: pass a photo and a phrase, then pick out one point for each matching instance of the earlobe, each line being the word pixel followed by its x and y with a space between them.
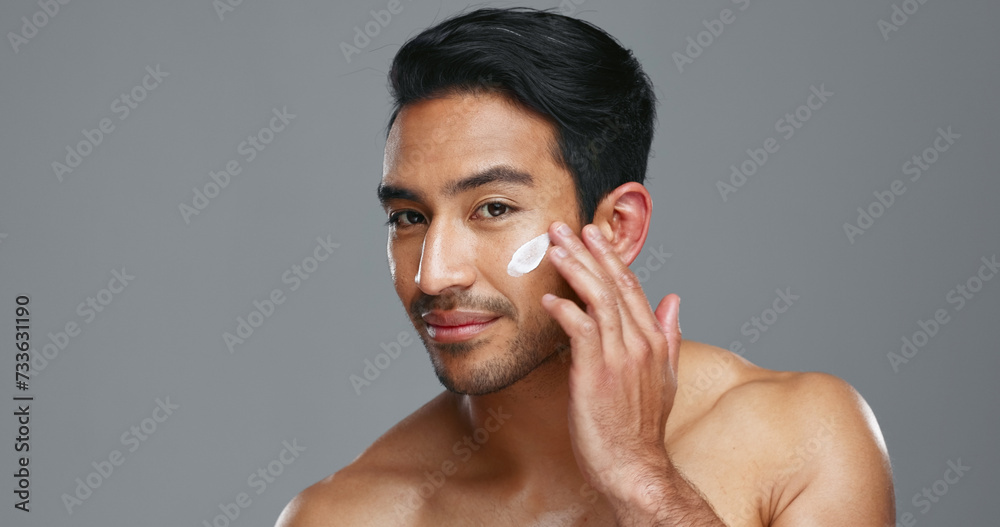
pixel 623 217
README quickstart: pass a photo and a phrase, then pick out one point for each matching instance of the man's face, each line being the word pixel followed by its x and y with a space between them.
pixel 467 180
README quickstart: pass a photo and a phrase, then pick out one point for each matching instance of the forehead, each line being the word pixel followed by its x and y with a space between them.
pixel 459 134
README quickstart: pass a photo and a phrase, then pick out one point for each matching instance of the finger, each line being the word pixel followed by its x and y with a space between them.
pixel 562 236
pixel 601 300
pixel 584 274
pixel 635 301
pixel 668 314
pixel 574 261
pixel 584 336
pixel 640 335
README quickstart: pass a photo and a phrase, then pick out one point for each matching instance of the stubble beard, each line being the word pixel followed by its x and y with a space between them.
pixel 530 347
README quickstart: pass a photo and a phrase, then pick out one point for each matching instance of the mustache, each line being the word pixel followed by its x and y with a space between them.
pixel 449 302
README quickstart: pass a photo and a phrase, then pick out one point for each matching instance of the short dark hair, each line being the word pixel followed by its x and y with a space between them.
pixel 570 71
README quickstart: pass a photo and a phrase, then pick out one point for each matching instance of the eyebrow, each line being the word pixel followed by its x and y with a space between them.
pixel 496 174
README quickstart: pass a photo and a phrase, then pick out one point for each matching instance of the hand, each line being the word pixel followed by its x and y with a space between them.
pixel 622 380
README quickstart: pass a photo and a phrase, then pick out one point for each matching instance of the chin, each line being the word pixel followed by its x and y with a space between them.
pixel 474 385
pixel 463 373
pixel 479 370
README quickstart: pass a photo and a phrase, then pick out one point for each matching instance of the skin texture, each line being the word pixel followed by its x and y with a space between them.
pixel 579 405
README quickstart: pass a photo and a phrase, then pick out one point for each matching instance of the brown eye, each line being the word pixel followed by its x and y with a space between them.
pixel 495 209
pixel 408 217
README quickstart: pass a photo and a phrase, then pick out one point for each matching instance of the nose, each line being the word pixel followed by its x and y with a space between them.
pixel 446 260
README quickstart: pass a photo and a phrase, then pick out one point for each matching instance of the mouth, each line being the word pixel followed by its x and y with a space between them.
pixel 456 326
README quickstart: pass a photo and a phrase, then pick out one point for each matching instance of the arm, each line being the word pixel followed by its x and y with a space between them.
pixel 831 469
pixel 622 388
pixel 622 381
pixel 848 482
pixel 666 500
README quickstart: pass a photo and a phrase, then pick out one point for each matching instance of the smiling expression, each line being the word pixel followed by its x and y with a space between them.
pixel 467 180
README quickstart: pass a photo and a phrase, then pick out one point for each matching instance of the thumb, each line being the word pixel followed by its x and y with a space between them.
pixel 667 314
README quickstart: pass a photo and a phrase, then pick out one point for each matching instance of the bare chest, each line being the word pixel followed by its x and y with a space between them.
pixel 725 479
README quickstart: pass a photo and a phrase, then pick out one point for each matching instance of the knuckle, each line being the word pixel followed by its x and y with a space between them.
pixel 565 307
pixel 575 245
pixel 627 279
pixel 608 280
pixel 607 298
pixel 575 266
pixel 611 325
pixel 588 329
pixel 641 348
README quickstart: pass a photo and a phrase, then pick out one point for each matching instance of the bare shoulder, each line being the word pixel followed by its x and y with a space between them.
pixel 792 403
pixel 820 445
pixel 376 488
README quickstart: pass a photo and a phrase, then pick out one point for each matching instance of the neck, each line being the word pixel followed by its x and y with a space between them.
pixel 528 432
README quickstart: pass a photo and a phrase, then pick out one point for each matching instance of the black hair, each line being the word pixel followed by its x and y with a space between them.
pixel 570 71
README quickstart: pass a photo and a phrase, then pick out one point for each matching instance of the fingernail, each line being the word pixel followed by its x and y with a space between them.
pixel 564 229
pixel 560 252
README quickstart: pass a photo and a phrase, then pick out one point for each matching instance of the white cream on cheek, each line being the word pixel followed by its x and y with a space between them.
pixel 527 257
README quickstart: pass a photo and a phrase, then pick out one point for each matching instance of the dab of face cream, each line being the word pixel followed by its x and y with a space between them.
pixel 527 257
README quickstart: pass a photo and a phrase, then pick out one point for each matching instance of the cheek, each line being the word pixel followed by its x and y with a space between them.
pixel 515 260
pixel 527 257
pixel 403 257
pixel 391 259
pixel 525 272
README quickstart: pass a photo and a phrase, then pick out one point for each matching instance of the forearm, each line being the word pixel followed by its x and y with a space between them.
pixel 666 500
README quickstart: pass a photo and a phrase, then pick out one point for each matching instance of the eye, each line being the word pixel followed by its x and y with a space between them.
pixel 409 217
pixel 495 209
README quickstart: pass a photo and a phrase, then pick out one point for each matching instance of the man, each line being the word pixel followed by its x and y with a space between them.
pixel 569 400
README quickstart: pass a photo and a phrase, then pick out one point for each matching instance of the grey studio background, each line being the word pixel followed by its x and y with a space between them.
pixel 155 97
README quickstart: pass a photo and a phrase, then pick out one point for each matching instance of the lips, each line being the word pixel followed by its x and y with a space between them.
pixel 455 326
pixel 457 318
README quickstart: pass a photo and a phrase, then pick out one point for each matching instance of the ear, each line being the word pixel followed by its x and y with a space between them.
pixel 623 217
